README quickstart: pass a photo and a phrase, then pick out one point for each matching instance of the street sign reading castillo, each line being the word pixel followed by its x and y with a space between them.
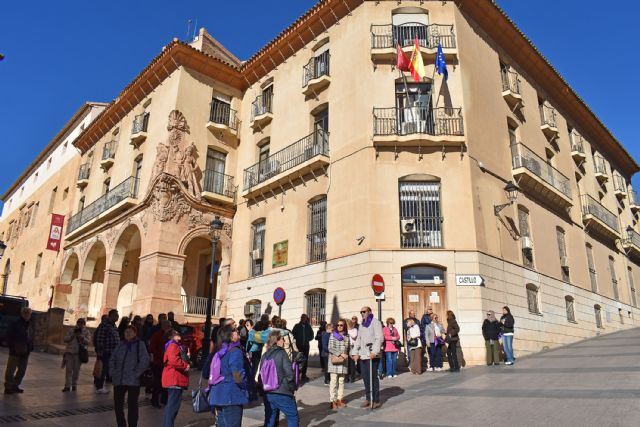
pixel 279 296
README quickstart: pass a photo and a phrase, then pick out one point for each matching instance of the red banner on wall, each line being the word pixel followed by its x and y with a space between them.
pixel 55 232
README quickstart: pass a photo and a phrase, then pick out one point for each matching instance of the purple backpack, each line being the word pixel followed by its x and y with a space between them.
pixel 269 375
pixel 214 372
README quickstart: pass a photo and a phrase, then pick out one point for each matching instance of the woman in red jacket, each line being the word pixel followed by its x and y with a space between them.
pixel 175 376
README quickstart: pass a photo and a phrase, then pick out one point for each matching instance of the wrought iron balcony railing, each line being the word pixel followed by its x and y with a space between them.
pixel 219 183
pixel 197 306
pixel 418 120
pixel 262 105
pixel 223 114
pixel 548 115
pixel 84 172
pixel 633 198
pixel 389 35
pixel 577 143
pixel 317 66
pixel 591 206
pixel 599 165
pixel 127 188
pixel 109 150
pixel 634 239
pixel 140 123
pixel 618 184
pixel 510 81
pixel 523 157
pixel 315 144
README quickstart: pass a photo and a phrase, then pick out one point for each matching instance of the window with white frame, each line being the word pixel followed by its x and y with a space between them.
pixel 569 303
pixel 420 215
pixel 256 256
pixel 316 305
pixel 532 299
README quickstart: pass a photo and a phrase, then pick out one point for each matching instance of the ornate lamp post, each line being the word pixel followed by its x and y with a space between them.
pixel 512 195
pixel 216 228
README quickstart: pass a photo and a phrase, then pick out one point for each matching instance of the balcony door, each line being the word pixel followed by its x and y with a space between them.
pixel 264 168
pixel 321 130
pixel 221 111
pixel 408 26
pixel 215 169
pixel 413 108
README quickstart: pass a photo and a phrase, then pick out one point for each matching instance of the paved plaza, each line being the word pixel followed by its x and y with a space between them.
pixel 590 383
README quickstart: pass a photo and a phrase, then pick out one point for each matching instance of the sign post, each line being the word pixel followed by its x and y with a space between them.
pixel 377 284
pixel 279 296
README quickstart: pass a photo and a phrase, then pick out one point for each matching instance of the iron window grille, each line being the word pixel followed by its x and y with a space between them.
pixel 317 237
pixel 316 306
pixel 598 314
pixel 420 215
pixel 140 123
pixel 571 314
pixel 532 299
pixel 317 67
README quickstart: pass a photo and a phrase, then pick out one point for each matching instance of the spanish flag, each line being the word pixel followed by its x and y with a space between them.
pixel 418 71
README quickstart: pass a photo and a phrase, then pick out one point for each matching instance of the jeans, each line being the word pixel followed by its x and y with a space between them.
pixel 370 389
pixel 435 355
pixel 229 416
pixel 173 406
pixel 452 356
pixel 132 405
pixel 72 364
pixel 158 394
pixel 392 362
pixel 507 342
pixel 280 402
pixel 16 368
pixel 99 381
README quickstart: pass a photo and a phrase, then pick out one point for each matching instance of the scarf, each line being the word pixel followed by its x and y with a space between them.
pixel 172 342
pixel 226 347
pixel 132 342
pixel 366 322
pixel 337 335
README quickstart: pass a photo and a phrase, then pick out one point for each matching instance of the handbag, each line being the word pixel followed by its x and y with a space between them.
pixel 337 360
pixel 83 354
pixel 397 344
pixel 413 342
pixel 200 399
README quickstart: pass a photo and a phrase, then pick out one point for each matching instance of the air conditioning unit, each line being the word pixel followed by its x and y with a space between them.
pixel 257 254
pixel 527 243
pixel 408 226
pixel 249 309
pixel 564 262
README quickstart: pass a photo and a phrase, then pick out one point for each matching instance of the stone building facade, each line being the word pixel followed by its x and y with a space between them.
pixel 327 165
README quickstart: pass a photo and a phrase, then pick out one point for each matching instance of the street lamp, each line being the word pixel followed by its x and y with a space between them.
pixel 512 195
pixel 3 246
pixel 216 228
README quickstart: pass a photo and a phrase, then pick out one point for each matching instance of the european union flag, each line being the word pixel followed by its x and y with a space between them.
pixel 441 65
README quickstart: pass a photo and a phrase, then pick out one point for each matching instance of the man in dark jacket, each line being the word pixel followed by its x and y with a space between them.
pixel 106 339
pixel 20 340
pixel 303 334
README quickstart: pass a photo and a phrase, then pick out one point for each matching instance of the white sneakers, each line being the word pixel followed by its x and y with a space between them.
pixel 508 363
pixel 102 391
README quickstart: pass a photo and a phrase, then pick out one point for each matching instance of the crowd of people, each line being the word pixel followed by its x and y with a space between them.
pixel 248 361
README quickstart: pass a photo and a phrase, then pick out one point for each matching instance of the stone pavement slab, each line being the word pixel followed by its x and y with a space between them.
pixel 591 383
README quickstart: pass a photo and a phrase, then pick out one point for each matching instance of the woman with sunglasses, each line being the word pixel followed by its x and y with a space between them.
pixel 338 366
pixel 392 346
pixel 435 340
pixel 491 331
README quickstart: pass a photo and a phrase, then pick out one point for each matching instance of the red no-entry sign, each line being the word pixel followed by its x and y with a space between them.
pixel 377 284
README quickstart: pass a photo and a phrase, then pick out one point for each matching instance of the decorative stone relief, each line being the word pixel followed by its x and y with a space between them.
pixel 168 202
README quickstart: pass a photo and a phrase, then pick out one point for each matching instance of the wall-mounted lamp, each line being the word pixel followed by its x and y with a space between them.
pixel 512 195
pixel 624 242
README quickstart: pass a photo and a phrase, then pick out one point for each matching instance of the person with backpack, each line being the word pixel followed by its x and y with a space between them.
pixel 367 352
pixel 303 334
pixel 392 346
pixel 77 340
pixel 175 376
pixel 338 349
pixel 278 383
pixel 128 361
pixel 228 379
pixel 507 321
pixel 491 333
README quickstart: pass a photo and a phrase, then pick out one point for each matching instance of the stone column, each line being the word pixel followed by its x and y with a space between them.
pixel 82 294
pixel 222 286
pixel 110 290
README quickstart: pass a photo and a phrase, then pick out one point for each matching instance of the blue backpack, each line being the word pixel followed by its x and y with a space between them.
pixel 269 375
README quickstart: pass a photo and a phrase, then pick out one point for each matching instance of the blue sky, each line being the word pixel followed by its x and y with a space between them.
pixel 62 53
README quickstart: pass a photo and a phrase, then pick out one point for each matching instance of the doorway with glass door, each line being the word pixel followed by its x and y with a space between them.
pixel 414 112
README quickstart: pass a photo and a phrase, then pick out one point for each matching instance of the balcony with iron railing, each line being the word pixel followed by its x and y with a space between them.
pixel 386 37
pixel 599 219
pixel 600 169
pixel 631 244
pixel 539 178
pixel 634 201
pixel 139 129
pixel 108 154
pixel 315 75
pixel 548 121
pixel 109 205
pixel 577 147
pixel 194 306
pixel 262 110
pixel 296 160
pixel 510 86
pixel 619 187
pixel 83 175
pixel 218 187
pixel 223 118
pixel 405 126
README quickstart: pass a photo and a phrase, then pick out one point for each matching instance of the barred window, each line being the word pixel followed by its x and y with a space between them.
pixel 614 278
pixel 632 287
pixel 525 234
pixel 317 237
pixel 253 309
pixel 420 215
pixel 256 256
pixel 571 314
pixel 598 312
pixel 532 299
pixel 592 269
pixel 316 305
pixel 562 251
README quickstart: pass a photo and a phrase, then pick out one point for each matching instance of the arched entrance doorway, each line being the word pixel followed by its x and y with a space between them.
pixel 196 277
pixel 64 290
pixel 424 286
pixel 126 260
pixel 5 277
pixel 92 272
